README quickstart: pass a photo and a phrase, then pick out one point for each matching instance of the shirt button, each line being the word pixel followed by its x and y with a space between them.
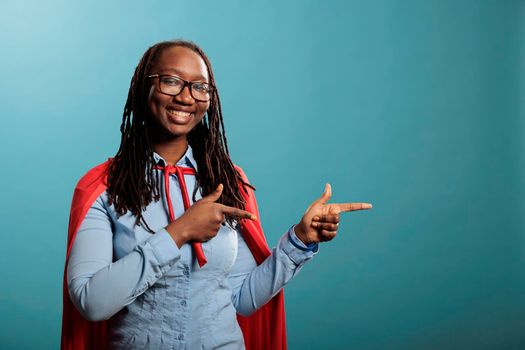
pixel 186 272
pixel 181 336
pixel 183 303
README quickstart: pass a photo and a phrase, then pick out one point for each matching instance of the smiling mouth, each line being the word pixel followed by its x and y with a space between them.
pixel 176 113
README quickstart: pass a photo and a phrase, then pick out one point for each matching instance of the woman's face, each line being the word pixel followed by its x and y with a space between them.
pixel 175 116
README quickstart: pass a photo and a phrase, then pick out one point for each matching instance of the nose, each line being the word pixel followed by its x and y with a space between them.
pixel 185 96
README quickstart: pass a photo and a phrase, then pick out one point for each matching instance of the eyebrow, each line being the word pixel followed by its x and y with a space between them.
pixel 178 72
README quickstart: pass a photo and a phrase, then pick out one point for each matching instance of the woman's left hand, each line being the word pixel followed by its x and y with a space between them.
pixel 321 220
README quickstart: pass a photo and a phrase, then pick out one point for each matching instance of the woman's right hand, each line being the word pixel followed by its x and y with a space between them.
pixel 202 221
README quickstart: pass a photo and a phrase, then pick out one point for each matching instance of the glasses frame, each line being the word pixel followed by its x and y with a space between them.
pixel 186 83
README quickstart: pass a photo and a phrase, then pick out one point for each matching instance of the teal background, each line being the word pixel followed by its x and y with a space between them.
pixel 414 106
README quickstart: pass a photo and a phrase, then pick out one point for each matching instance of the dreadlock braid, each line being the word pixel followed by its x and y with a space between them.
pixel 132 183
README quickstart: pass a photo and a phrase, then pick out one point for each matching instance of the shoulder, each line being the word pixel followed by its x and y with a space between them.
pixel 88 188
pixel 248 189
pixel 94 176
pixel 241 173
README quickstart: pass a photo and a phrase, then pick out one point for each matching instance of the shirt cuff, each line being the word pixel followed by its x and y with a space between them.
pixel 296 241
pixel 164 247
pixel 295 249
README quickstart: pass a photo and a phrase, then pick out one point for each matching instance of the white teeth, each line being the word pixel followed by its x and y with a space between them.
pixel 179 113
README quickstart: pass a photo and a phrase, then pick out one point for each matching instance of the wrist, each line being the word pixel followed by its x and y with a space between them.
pixel 178 233
pixel 301 234
pixel 299 244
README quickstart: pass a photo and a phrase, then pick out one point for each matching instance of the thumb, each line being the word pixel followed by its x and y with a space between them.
pixel 327 194
pixel 212 197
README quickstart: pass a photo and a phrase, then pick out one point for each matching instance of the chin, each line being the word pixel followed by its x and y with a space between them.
pixel 179 130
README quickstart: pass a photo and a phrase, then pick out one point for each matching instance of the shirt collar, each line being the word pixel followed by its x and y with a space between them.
pixel 186 160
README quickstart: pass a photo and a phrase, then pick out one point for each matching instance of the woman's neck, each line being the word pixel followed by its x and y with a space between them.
pixel 171 150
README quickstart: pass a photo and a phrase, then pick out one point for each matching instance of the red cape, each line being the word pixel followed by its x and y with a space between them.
pixel 265 329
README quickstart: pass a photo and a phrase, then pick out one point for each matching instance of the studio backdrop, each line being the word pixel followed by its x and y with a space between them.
pixel 414 106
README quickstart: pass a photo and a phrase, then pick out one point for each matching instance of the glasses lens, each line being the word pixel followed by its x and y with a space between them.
pixel 171 85
pixel 201 91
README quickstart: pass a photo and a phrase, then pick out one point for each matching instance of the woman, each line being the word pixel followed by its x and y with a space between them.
pixel 165 248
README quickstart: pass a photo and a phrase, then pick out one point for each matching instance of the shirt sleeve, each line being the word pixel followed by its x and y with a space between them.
pixel 252 285
pixel 99 287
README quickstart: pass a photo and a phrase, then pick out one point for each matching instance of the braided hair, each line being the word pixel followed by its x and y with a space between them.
pixel 132 183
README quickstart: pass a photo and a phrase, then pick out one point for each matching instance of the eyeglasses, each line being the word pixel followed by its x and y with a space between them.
pixel 173 85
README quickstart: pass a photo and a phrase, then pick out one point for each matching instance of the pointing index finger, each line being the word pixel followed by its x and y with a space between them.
pixel 238 213
pixel 354 206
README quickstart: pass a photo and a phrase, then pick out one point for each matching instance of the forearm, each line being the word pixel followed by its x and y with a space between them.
pixel 265 280
pixel 99 288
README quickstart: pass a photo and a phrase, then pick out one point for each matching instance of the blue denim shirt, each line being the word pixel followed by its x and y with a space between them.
pixel 154 294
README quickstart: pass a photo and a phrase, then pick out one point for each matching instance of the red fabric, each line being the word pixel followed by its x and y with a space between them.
pixel 265 329
pixel 180 172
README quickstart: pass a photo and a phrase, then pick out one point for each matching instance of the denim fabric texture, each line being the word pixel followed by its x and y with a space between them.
pixel 154 294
